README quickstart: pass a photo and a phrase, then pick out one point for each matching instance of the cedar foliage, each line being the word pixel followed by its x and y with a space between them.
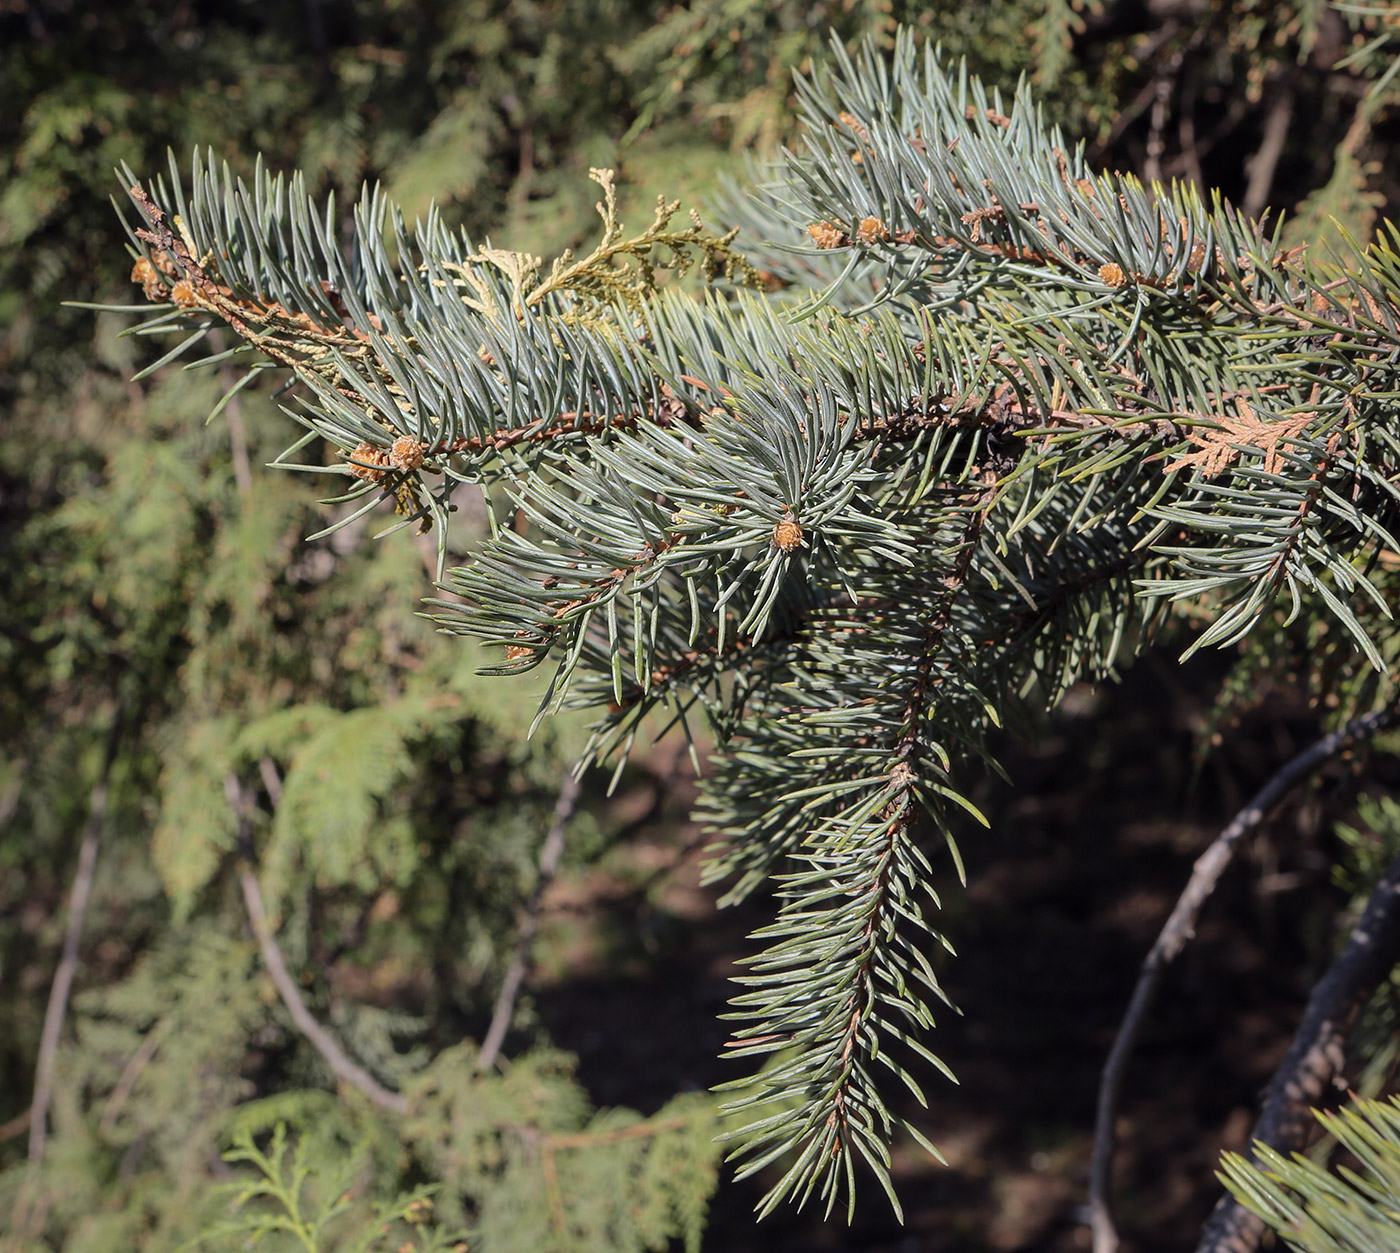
pixel 166 626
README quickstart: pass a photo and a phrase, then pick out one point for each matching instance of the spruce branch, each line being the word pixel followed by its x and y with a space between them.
pixel 842 983
pixel 992 415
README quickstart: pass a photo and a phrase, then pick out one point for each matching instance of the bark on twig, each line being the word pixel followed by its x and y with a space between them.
pixel 150 1045
pixel 1179 929
pixel 341 1065
pixel 9 802
pixel 237 433
pixel 550 854
pixel 1264 163
pixel 62 986
pixel 1317 1053
pixel 272 781
pixel 1161 107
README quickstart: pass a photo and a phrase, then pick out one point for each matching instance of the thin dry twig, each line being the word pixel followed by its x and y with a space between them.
pixel 62 986
pixel 1317 1053
pixel 150 1045
pixel 1161 107
pixel 272 781
pixel 550 853
pixel 551 1186
pixel 1179 929
pixel 1264 163
pixel 341 1065
pixel 592 1139
pixel 9 802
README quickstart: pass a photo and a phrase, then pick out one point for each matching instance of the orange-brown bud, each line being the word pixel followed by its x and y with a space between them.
pixel 144 272
pixel 1112 274
pixel 872 231
pixel 183 294
pixel 787 535
pixel 827 235
pixel 406 453
pixel 371 458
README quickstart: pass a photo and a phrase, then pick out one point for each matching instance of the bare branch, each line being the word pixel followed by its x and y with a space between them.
pixel 9 802
pixel 1179 929
pixel 1161 107
pixel 1317 1053
pixel 1263 164
pixel 305 1021
pixel 272 781
pixel 550 853
pixel 62 986
pixel 150 1045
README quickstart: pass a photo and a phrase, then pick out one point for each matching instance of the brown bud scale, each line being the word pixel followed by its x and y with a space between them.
pixel 787 534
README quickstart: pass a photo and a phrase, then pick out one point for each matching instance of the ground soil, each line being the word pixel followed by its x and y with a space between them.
pixel 1065 894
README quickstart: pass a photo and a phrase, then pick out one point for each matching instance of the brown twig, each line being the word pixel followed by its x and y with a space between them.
pixel 272 781
pixel 150 1045
pixel 594 1139
pixel 1188 159
pixel 1317 1053
pixel 1263 164
pixel 1161 107
pixel 9 802
pixel 341 1065
pixel 546 1146
pixel 62 985
pixel 550 853
pixel 1179 929
pixel 237 433
pixel 552 1189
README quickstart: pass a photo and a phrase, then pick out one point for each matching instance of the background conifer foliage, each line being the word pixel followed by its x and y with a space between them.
pixel 956 399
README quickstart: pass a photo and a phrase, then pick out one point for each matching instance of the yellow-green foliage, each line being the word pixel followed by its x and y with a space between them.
pixel 156 1062
pixel 1352 1210
pixel 547 1174
pixel 290 1200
